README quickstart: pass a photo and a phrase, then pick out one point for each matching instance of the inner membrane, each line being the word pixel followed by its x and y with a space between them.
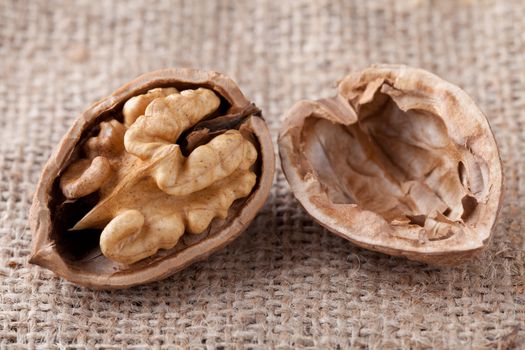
pixel 399 164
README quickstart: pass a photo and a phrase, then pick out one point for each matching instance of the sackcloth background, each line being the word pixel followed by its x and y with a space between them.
pixel 286 282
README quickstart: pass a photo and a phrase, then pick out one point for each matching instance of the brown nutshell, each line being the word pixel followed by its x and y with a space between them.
pixel 400 162
pixel 168 169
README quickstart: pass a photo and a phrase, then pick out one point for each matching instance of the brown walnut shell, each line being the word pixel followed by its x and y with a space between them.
pixel 400 162
pixel 76 255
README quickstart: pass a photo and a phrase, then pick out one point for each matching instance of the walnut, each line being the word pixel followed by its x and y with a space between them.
pixel 165 171
pixel 400 162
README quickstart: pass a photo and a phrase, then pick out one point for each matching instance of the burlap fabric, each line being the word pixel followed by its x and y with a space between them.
pixel 286 282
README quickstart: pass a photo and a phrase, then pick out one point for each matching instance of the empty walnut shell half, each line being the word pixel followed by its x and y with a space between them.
pixel 400 162
pixel 168 169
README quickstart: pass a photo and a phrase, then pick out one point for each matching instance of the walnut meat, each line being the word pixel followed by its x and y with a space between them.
pixel 166 170
pixel 400 162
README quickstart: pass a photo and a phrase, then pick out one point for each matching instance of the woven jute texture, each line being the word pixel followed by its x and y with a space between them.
pixel 286 282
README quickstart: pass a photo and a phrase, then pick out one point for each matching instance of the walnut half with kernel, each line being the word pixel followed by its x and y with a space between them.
pixel 400 162
pixel 166 170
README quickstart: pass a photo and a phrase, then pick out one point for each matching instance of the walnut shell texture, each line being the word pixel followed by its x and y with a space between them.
pixel 63 197
pixel 400 162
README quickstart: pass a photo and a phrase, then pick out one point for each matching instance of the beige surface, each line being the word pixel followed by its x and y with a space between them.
pixel 286 282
